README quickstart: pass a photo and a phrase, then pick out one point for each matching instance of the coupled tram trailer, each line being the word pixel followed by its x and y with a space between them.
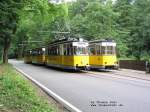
pixel 35 56
pixel 102 54
pixel 75 54
pixel 28 56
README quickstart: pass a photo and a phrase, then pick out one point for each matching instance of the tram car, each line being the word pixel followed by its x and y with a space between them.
pixel 68 54
pixel 102 54
pixel 38 56
pixel 28 56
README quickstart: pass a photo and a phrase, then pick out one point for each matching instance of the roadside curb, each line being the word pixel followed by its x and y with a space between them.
pixel 65 103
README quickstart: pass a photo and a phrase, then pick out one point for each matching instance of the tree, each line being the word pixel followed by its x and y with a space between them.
pixel 93 19
pixel 141 31
pixel 31 22
pixel 125 25
pixel 8 23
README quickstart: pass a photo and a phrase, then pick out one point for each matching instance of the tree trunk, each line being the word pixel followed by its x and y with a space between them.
pixel 5 50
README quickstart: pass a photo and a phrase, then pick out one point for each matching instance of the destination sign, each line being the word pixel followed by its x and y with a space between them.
pixel 80 44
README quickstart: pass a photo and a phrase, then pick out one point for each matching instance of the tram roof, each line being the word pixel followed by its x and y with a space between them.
pixel 102 40
pixel 66 40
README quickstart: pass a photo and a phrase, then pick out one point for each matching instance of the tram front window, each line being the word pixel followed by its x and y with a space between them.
pixel 80 51
pixel 108 50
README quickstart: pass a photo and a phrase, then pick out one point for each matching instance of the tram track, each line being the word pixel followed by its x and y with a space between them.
pixel 112 74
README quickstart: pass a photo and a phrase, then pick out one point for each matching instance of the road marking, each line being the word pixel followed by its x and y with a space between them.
pixel 66 104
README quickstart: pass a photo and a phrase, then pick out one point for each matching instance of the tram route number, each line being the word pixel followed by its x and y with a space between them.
pixel 105 104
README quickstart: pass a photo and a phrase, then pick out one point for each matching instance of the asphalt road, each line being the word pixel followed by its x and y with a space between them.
pixel 93 93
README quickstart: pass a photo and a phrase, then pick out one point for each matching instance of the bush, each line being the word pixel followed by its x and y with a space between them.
pixel 17 94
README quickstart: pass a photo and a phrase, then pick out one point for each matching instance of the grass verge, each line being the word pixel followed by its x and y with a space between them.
pixel 18 95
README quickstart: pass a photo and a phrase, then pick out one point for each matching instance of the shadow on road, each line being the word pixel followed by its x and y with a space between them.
pixel 58 69
pixel 71 70
pixel 102 70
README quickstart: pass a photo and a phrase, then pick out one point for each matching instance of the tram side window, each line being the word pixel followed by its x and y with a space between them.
pixel 59 50
pixel 92 50
pixel 41 52
pixel 98 49
pixel 34 53
pixel 68 50
pixel 65 49
pixel 49 51
pixel 103 49
pixel 28 53
pixel 55 50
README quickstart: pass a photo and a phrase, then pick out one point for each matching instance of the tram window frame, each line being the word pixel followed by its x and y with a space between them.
pixel 41 52
pixel 70 49
pixel 55 50
pixel 108 50
pixel 92 47
pixel 65 49
pixel 98 49
pixel 34 53
pixel 84 51
pixel 103 50
pixel 49 51
pixel 61 49
pixel 111 50
pixel 28 53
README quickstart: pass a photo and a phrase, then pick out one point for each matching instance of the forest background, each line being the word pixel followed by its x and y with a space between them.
pixel 28 24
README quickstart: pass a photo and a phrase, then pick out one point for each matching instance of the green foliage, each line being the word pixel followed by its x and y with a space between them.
pixel 0 52
pixel 9 11
pixel 18 94
pixel 126 21
pixel 93 20
pixel 36 22
pixel 141 31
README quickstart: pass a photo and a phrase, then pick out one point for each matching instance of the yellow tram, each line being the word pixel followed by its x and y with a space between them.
pixel 102 54
pixel 68 54
pixel 28 56
pixel 75 54
pixel 38 56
